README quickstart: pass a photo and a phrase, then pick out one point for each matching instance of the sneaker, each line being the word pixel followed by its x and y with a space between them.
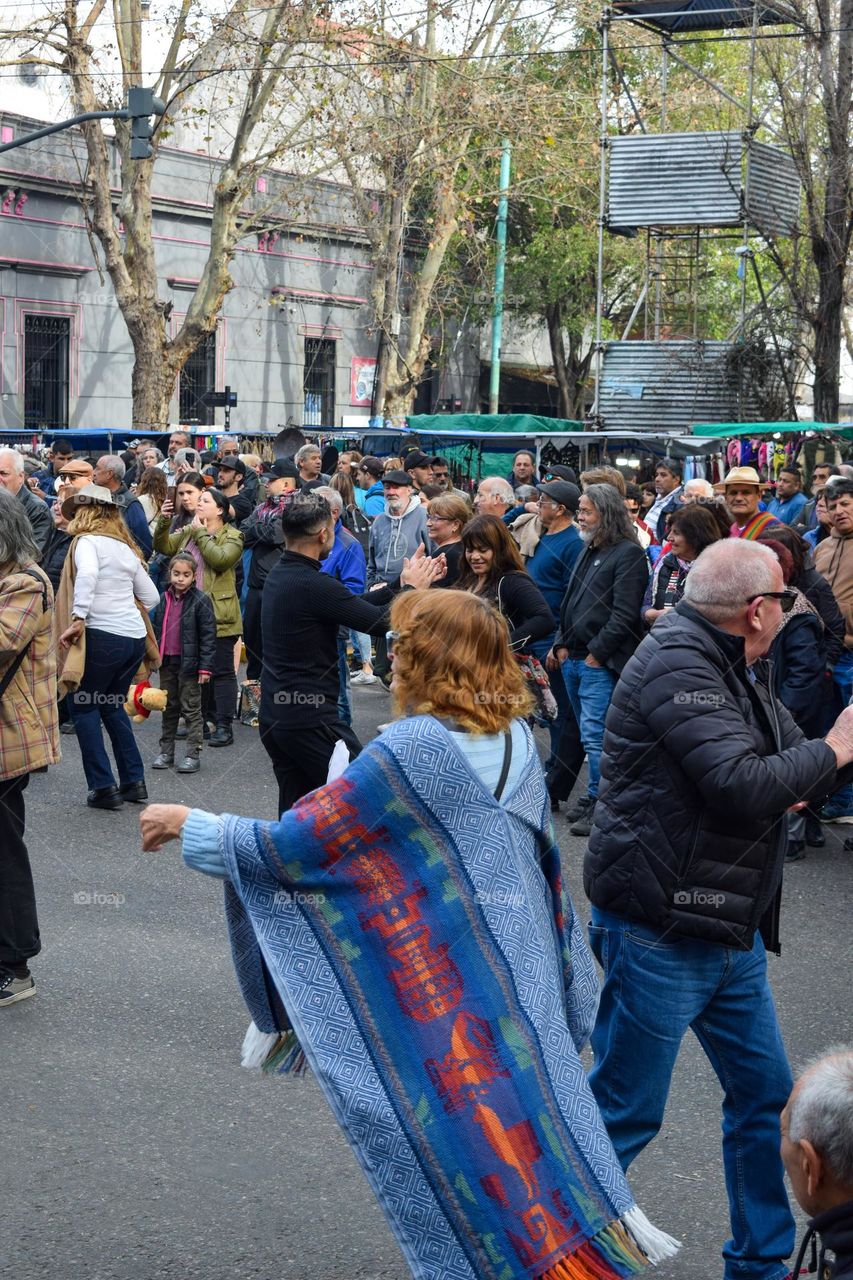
pixel 796 851
pixel 583 826
pixel 13 989
pixel 836 811
pixel 164 760
pixel 190 764
pixel 222 736
pixel 67 726
pixel 364 677
pixel 579 808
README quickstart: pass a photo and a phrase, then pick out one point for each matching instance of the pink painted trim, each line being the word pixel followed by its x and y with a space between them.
pixel 316 294
pixel 182 282
pixel 45 266
pixel 205 244
pixel 7 133
pixel 4 385
pixel 41 306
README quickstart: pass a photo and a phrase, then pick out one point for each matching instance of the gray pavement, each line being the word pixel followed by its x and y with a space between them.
pixel 134 1147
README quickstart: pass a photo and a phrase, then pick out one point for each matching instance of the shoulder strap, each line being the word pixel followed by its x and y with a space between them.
pixel 499 789
pixel 9 673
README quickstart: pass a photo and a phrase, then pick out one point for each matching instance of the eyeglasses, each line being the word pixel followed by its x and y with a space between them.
pixel 437 519
pixel 786 598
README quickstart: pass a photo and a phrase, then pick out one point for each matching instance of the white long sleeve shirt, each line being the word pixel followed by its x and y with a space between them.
pixel 108 578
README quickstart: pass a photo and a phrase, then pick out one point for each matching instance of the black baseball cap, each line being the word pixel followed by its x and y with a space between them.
pixel 397 477
pixel 233 464
pixel 559 473
pixel 568 495
pixel 283 469
pixel 372 465
pixel 416 459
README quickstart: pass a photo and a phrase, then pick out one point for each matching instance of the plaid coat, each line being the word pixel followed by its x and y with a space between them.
pixel 29 723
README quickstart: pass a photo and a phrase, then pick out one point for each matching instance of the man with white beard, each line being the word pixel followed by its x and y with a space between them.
pixel 395 536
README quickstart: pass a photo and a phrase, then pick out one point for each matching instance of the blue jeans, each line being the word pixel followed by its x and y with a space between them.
pixel 590 690
pixel 111 663
pixel 344 704
pixel 655 988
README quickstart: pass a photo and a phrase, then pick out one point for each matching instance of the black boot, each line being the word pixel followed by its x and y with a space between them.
pixel 104 798
pixel 222 735
pixel 135 791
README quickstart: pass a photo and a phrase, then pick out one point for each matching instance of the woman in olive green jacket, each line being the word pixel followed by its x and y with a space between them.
pixel 216 548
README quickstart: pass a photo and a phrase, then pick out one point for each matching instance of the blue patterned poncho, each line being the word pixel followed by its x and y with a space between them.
pixel 417 934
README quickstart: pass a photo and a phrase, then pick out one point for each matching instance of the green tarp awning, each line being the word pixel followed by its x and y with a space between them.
pixel 522 424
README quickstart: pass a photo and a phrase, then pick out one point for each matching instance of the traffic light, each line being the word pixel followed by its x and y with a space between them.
pixel 141 106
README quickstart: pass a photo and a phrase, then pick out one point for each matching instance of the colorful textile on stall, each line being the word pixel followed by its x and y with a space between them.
pixel 440 987
pixel 755 527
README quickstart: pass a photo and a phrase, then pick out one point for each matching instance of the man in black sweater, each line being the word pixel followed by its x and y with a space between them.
pixel 301 611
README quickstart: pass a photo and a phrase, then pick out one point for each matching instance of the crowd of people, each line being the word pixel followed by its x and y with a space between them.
pixel 693 644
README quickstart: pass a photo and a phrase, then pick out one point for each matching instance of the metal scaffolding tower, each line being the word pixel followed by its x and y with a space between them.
pixel 687 192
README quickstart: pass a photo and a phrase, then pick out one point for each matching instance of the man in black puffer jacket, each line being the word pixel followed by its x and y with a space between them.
pixel 684 871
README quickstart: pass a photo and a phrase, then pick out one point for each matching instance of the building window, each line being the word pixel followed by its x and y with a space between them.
pixel 47 340
pixel 318 383
pixel 198 379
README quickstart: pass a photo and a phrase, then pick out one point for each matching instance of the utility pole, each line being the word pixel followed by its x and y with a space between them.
pixel 500 265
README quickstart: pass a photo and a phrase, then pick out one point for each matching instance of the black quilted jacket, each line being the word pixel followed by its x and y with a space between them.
pixel 700 765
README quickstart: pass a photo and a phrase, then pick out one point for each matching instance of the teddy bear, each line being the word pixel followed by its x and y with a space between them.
pixel 142 699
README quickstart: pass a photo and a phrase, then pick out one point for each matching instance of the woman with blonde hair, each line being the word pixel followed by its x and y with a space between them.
pixel 410 918
pixel 105 638
pixel 447 517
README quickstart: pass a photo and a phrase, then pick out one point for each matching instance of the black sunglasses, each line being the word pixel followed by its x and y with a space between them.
pixel 786 598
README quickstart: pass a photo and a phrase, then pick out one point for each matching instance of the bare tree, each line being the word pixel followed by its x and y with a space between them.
pixel 814 83
pixel 420 103
pixel 247 50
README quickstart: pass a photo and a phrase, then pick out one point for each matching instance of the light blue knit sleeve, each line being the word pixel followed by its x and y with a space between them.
pixel 201 844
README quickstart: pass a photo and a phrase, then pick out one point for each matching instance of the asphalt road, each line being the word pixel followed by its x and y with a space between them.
pixel 134 1147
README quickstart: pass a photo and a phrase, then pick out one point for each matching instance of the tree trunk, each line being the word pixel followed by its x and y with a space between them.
pixel 554 320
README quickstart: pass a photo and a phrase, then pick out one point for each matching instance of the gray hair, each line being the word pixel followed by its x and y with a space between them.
pixel 616 525
pixel 305 452
pixel 822 1110
pixel 697 485
pixel 114 465
pixel 726 574
pixel 332 496
pixel 152 448
pixel 500 488
pixel 17 460
pixel 16 533
pixel 527 493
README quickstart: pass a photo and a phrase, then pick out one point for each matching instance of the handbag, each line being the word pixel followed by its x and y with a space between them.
pixel 535 677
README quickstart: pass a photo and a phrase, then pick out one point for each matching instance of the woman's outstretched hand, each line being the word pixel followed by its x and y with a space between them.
pixel 161 823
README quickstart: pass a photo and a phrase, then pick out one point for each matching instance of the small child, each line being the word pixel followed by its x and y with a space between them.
pixel 185 627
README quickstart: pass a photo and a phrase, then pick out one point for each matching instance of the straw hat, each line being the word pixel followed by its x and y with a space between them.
pixel 91 495
pixel 740 475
